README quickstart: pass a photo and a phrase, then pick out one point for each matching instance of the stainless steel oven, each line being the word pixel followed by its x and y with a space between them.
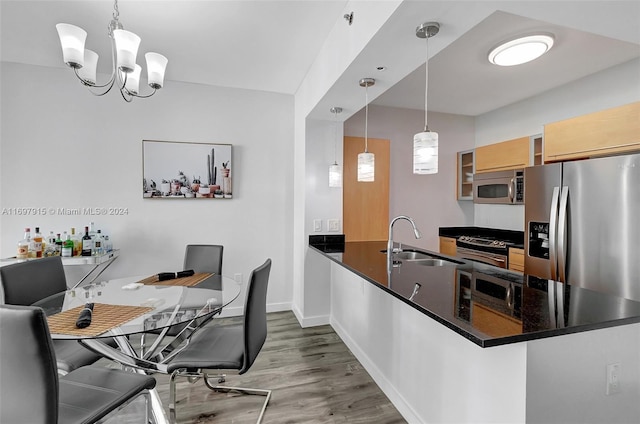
pixel 487 251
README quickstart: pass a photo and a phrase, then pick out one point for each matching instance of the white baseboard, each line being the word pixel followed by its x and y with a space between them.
pixel 385 385
pixel 310 321
pixel 236 311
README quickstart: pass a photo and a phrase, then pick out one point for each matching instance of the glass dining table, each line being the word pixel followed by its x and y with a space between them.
pixel 141 305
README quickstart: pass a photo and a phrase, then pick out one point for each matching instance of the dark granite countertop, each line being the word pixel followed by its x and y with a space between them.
pixel 487 305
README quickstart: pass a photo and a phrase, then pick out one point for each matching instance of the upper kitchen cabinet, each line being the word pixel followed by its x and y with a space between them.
pixel 512 154
pixel 610 131
pixel 466 169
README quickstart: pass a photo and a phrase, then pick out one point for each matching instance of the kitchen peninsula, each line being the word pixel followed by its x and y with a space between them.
pixel 467 342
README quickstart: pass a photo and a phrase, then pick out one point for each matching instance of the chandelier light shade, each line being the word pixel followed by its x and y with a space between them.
pixel 89 70
pixel 127 44
pixel 366 160
pixel 125 73
pixel 425 144
pixel 72 40
pixel 521 50
pixel 335 170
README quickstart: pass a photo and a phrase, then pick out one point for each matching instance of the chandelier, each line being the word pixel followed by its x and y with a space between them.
pixel 124 50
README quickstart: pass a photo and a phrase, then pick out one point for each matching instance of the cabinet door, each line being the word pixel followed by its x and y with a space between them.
pixel 448 246
pixel 365 210
pixel 516 259
pixel 512 154
pixel 464 186
pixel 610 131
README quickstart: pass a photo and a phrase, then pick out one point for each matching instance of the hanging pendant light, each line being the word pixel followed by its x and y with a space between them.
pixel 366 160
pixel 335 170
pixel 425 144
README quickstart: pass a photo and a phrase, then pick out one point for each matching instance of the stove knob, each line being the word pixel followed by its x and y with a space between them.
pixel 501 244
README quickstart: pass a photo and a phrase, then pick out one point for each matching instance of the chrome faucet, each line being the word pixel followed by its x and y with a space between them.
pixel 416 232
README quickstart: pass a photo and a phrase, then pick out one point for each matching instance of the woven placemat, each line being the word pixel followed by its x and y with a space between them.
pixel 184 281
pixel 104 318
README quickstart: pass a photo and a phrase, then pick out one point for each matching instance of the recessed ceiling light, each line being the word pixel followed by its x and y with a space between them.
pixel 521 50
pixel 381 68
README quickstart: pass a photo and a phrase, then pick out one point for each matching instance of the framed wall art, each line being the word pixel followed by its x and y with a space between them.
pixel 180 170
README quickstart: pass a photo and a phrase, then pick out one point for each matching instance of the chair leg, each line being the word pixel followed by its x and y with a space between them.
pixel 243 390
pixel 172 397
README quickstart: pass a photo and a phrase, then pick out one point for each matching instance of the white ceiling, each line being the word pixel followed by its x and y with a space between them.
pixel 259 45
pixel 270 45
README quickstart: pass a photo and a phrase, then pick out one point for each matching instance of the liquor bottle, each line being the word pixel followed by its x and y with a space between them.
pixel 77 242
pixel 67 247
pixel 87 243
pixel 50 247
pixel 108 246
pixel 59 244
pixel 92 230
pixel 97 244
pixel 37 243
pixel 23 245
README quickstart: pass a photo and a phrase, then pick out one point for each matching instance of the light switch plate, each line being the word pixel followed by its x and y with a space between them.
pixel 334 225
pixel 317 225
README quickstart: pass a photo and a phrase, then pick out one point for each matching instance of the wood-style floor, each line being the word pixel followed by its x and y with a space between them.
pixel 313 375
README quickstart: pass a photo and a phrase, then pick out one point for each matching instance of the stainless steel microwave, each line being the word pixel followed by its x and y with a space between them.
pixel 501 187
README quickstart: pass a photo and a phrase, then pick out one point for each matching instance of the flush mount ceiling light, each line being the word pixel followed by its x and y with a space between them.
pixel 425 144
pixel 335 170
pixel 124 49
pixel 366 160
pixel 521 50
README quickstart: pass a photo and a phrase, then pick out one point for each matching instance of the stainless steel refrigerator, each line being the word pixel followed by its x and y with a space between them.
pixel 582 223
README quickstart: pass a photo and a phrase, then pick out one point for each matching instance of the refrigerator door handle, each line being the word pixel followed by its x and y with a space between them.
pixel 553 225
pixel 562 235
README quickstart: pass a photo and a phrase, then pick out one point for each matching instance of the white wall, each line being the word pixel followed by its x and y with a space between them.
pixel 323 146
pixel 615 86
pixel 429 199
pixel 63 147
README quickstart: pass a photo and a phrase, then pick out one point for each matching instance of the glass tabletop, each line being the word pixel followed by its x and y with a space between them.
pixel 155 306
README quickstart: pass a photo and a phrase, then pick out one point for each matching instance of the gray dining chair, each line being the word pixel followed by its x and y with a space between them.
pixel 33 392
pixel 25 283
pixel 203 258
pixel 199 258
pixel 232 347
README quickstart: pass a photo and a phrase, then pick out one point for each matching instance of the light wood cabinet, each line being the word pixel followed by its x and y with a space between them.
pixel 511 154
pixel 516 259
pixel 609 131
pixel 466 169
pixel 537 150
pixel 448 246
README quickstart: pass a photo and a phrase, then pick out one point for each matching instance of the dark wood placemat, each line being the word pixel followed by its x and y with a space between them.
pixel 184 281
pixel 104 318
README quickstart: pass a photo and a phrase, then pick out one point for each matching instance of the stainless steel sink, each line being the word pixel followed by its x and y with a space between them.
pixel 434 262
pixel 421 258
pixel 411 256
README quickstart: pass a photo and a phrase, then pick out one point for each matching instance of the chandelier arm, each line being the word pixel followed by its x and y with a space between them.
pixel 145 96
pixel 126 99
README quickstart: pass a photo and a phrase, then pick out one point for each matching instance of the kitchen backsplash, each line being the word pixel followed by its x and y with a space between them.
pixel 507 217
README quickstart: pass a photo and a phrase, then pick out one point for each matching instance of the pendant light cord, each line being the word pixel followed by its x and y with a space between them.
pixel 366 118
pixel 335 138
pixel 426 85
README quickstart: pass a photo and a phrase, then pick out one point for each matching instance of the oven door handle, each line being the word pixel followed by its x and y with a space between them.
pixel 491 259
